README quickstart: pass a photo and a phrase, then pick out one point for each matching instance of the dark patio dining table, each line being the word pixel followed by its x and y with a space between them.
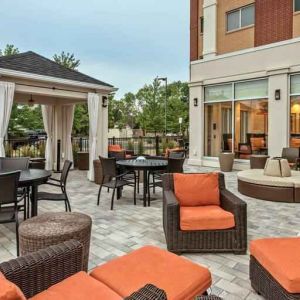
pixel 32 178
pixel 144 165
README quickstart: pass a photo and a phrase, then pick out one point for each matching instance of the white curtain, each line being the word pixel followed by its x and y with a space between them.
pixel 67 126
pixel 7 91
pixel 93 107
pixel 48 119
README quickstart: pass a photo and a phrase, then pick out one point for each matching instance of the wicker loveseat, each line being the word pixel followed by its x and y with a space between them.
pixel 55 273
pixel 226 240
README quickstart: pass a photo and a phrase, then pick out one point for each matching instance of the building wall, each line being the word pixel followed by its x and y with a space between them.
pixel 200 37
pixel 194 29
pixel 273 21
pixel 274 62
pixel 236 40
pixel 296 25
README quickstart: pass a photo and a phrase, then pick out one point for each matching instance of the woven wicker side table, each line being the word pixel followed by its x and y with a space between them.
pixel 53 228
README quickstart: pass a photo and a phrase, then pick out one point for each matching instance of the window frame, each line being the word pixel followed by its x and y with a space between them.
pixel 294 8
pixel 233 101
pixel 201 25
pixel 239 10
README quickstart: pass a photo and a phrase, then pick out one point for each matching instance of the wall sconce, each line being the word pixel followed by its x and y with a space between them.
pixel 195 102
pixel 104 101
pixel 277 94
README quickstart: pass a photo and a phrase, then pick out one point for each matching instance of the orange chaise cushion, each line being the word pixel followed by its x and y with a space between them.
pixel 209 217
pixel 197 189
pixel 80 286
pixel 180 278
pixel 114 148
pixel 280 257
pixel 9 291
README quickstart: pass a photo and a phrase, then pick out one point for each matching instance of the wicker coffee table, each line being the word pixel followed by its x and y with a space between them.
pixel 53 228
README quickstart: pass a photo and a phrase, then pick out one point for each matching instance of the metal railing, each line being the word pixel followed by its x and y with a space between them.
pixel 25 147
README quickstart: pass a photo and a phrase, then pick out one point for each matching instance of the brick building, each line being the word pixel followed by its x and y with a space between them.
pixel 244 78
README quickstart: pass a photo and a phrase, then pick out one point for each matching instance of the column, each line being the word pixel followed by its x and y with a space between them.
pixel 210 28
pixel 278 112
pixel 102 134
pixel 196 125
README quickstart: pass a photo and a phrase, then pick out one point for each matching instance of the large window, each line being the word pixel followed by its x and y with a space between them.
pixel 236 118
pixel 240 18
pixel 297 5
pixel 295 111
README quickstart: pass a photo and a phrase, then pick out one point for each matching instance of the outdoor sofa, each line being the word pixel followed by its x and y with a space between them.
pixel 55 273
pixel 218 223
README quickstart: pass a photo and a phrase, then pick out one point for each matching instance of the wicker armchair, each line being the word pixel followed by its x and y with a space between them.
pixel 227 240
pixel 36 272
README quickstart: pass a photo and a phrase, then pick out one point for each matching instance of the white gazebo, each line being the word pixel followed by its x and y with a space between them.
pixel 30 78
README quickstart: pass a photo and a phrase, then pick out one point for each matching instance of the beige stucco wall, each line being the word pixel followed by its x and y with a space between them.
pixel 237 40
pixel 296 25
pixel 274 62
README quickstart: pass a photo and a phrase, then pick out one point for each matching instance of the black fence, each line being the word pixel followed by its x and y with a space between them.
pixel 25 147
pixel 140 145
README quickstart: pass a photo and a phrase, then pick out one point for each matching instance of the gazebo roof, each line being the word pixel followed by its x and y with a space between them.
pixel 31 62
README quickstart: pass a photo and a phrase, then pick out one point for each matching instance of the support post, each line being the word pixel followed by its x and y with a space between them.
pixel 157 145
pixel 58 155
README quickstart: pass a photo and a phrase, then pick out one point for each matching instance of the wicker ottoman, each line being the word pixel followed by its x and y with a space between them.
pixel 275 268
pixel 53 228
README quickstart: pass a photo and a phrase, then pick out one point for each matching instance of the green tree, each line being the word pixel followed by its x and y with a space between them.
pixel 67 60
pixel 9 50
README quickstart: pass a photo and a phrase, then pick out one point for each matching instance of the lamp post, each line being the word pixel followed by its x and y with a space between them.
pixel 165 79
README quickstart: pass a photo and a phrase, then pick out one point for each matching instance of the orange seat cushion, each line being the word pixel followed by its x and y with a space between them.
pixel 80 286
pixel 178 277
pixel 115 148
pixel 209 217
pixel 9 291
pixel 197 189
pixel 280 257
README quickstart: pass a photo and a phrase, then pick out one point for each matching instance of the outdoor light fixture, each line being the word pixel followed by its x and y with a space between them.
pixel 195 102
pixel 104 101
pixel 277 95
pixel 30 101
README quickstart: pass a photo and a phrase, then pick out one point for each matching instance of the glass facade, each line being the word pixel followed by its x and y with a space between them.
pixel 295 112
pixel 236 118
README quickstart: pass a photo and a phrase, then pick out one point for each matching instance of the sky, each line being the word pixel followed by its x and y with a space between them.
pixel 126 43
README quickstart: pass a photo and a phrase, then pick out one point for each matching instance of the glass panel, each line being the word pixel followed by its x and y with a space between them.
pixel 295 84
pixel 233 20
pixel 251 128
pixel 247 15
pixel 295 122
pixel 218 92
pixel 218 128
pixel 251 89
pixel 297 5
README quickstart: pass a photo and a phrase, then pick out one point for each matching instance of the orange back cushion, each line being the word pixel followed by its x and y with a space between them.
pixel 114 148
pixel 197 189
pixel 9 291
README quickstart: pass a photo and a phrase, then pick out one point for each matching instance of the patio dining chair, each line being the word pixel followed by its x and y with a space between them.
pixel 60 183
pixel 12 164
pixel 116 180
pixel 9 201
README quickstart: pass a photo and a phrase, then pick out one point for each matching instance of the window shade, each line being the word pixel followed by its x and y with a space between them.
pixel 251 89
pixel 295 85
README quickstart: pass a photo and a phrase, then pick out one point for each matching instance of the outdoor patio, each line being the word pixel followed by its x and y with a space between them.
pixel 129 227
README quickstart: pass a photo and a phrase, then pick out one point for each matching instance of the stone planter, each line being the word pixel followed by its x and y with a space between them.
pixel 226 161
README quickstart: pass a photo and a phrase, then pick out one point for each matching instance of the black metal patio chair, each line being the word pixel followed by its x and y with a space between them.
pixel 9 201
pixel 62 184
pixel 116 180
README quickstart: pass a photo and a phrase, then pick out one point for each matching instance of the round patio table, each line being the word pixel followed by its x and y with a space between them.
pixel 145 165
pixel 32 178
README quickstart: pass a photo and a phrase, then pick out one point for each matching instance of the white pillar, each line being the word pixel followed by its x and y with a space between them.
pixel 278 112
pixel 102 134
pixel 210 28
pixel 196 125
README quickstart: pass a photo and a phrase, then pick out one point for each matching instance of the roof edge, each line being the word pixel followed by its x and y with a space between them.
pixel 57 80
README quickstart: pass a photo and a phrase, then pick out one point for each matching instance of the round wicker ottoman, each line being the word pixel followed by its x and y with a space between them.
pixel 53 228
